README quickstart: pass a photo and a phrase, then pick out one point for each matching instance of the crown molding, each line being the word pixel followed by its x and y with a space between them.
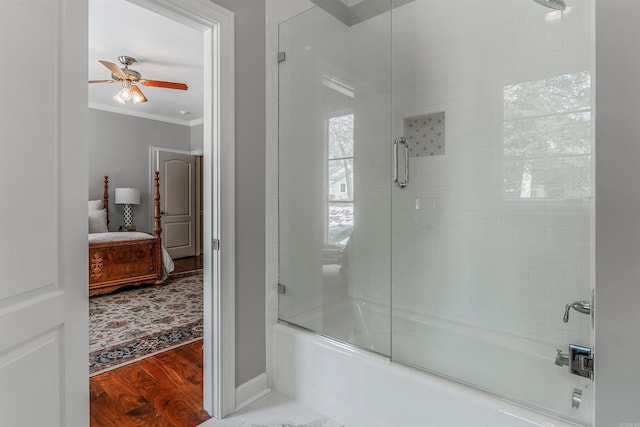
pixel 197 122
pixel 142 115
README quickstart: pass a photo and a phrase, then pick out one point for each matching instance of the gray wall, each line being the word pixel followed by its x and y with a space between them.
pixel 250 188
pixel 617 213
pixel 119 147
pixel 197 138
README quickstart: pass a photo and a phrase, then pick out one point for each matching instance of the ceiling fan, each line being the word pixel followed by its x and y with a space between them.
pixel 128 78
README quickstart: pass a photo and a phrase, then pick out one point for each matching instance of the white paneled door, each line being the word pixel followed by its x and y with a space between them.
pixel 43 223
pixel 178 203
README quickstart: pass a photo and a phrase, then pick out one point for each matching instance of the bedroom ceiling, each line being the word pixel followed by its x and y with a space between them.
pixel 165 50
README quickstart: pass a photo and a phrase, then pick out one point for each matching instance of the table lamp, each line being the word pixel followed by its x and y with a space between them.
pixel 128 197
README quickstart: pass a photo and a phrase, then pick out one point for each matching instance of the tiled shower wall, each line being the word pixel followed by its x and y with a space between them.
pixel 496 231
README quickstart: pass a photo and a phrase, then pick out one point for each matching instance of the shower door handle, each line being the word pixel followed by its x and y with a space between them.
pixel 396 145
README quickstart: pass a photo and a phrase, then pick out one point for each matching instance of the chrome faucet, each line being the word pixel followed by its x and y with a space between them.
pixel 561 358
pixel 580 306
pixel 579 360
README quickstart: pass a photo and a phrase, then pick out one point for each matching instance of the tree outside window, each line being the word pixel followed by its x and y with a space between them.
pixel 547 138
pixel 340 179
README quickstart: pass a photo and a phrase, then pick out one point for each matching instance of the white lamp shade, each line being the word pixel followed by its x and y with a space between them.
pixel 127 196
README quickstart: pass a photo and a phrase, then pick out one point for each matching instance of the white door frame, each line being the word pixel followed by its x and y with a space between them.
pixel 217 26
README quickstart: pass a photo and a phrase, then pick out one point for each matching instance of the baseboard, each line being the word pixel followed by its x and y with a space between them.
pixel 252 390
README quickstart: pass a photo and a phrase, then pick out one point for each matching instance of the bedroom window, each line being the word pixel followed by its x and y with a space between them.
pixel 340 195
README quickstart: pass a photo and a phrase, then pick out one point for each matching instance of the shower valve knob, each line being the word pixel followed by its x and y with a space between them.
pixel 579 306
pixel 581 360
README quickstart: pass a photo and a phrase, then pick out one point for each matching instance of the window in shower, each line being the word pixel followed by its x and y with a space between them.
pixel 340 198
pixel 547 138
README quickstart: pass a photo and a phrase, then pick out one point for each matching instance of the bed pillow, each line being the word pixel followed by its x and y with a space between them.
pixel 98 221
pixel 95 205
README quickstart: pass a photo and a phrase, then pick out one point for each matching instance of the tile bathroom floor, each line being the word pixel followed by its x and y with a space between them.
pixel 274 410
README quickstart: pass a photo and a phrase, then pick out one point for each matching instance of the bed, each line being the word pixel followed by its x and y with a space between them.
pixel 118 259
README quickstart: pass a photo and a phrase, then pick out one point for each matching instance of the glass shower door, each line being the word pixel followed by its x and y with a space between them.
pixel 491 235
pixel 334 169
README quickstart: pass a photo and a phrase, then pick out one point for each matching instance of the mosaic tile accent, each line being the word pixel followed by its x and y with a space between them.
pixel 425 134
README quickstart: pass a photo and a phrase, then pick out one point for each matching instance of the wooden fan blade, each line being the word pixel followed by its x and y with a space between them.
pixel 115 70
pixel 137 95
pixel 167 85
pixel 102 81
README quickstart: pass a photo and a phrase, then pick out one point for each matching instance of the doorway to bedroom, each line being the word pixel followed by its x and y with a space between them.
pixel 120 140
pixel 151 331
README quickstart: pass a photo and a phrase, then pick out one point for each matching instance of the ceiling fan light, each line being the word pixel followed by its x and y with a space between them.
pixel 127 77
pixel 125 93
pixel 137 96
pixel 118 98
pixel 138 99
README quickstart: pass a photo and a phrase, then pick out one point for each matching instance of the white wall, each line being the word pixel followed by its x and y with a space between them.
pixel 119 148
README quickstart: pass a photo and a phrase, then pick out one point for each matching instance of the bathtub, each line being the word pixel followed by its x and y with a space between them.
pixel 360 388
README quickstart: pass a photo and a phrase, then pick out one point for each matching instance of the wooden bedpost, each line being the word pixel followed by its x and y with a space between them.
pixel 157 226
pixel 105 197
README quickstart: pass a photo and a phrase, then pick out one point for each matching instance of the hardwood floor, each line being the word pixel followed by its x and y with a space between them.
pixel 182 265
pixel 162 390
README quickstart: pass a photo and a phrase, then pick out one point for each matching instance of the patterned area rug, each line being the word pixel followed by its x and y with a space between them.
pixel 139 322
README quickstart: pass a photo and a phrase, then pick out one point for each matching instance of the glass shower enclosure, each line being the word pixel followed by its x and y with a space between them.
pixel 436 189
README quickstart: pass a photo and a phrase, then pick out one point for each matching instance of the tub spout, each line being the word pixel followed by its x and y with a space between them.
pixel 580 306
pixel 561 358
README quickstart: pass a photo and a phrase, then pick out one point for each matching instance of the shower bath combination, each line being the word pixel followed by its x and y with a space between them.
pixel 435 205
